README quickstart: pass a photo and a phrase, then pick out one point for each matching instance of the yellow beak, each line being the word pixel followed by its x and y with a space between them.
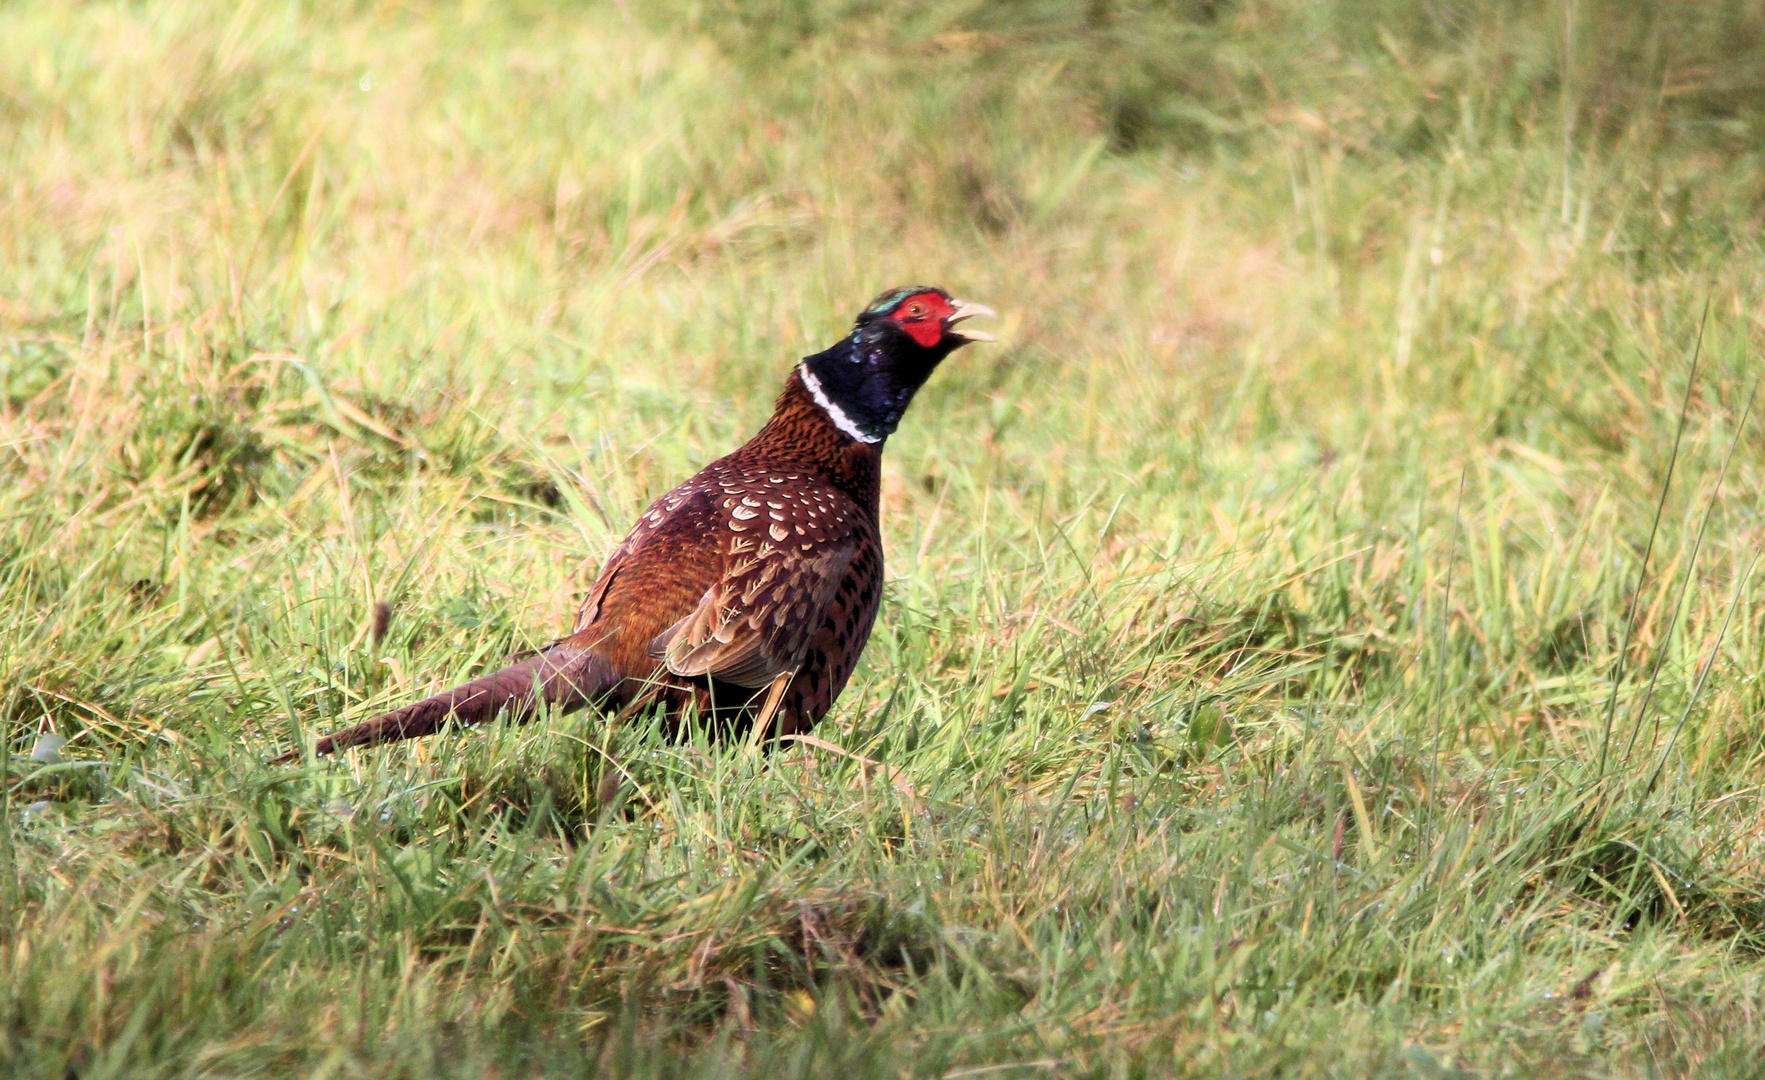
pixel 968 309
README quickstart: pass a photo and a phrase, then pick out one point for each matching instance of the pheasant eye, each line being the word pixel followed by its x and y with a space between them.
pixel 916 309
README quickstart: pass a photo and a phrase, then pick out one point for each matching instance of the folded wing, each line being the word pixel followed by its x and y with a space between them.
pixel 755 622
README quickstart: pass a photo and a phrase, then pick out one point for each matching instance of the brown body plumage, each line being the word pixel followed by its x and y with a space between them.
pixel 748 591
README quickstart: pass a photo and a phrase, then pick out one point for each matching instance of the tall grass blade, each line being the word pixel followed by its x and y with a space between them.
pixel 1709 662
pixel 1661 650
pixel 1617 676
pixel 1452 561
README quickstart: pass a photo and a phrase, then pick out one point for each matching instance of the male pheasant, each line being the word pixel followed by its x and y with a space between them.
pixel 748 591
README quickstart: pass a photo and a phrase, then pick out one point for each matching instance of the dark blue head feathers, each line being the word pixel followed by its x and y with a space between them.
pixel 866 381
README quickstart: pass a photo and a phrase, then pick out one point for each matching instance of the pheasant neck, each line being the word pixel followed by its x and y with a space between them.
pixel 807 436
pixel 866 380
pixel 835 413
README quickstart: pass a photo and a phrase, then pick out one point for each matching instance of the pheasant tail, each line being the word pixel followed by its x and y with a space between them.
pixel 564 675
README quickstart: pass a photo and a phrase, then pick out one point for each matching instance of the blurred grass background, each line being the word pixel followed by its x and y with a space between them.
pixel 1280 672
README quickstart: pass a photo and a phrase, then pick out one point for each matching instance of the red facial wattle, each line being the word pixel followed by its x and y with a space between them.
pixel 922 315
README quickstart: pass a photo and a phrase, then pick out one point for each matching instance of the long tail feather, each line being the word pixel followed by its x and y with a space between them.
pixel 561 675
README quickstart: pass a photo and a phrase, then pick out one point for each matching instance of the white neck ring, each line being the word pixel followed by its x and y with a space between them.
pixel 834 412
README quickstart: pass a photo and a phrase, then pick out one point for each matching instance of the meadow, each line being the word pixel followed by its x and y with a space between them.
pixel 1321 637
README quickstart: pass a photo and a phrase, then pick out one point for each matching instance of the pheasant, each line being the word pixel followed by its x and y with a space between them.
pixel 747 592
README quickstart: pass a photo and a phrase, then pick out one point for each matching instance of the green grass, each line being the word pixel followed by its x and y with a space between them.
pixel 1255 608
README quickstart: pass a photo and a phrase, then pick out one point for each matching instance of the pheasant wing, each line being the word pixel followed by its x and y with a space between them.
pixel 755 622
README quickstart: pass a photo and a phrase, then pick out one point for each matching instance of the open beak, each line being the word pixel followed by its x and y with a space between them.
pixel 967 309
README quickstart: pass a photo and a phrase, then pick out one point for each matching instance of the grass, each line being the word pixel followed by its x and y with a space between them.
pixel 1255 608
